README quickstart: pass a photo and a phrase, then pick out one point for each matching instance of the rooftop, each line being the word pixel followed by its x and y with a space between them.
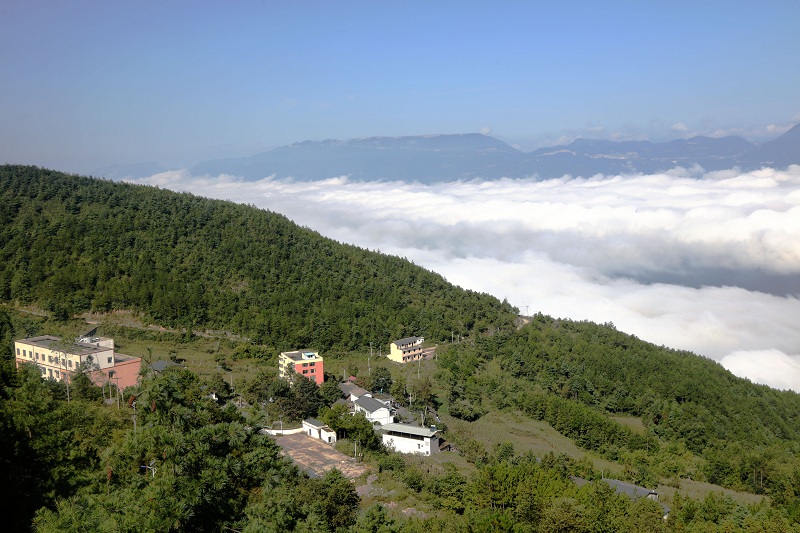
pixel 55 343
pixel 161 365
pixel 370 404
pixel 408 340
pixel 410 429
pixel 629 488
pixel 302 355
pixel 634 491
pixel 351 388
pixel 315 423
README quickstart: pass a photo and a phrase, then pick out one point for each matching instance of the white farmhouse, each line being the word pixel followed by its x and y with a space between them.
pixel 374 410
pixel 406 438
pixel 319 430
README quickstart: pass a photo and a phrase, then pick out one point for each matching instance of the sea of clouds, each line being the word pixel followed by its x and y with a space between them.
pixel 707 262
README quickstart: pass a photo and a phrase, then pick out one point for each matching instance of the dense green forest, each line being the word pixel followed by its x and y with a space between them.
pixel 70 244
pixel 702 422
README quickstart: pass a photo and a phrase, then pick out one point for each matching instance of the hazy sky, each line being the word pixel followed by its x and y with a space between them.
pixel 632 250
pixel 85 84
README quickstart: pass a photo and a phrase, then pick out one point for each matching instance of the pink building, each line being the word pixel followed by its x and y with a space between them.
pixel 306 363
pixel 124 373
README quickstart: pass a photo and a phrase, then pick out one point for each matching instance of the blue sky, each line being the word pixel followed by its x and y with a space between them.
pixel 85 84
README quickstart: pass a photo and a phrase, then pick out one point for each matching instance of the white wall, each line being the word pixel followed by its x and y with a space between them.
pixel 403 445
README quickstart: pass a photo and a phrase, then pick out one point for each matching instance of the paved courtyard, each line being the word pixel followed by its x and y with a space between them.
pixel 316 457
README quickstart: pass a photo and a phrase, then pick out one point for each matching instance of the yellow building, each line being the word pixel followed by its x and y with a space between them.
pixel 306 363
pixel 58 359
pixel 405 350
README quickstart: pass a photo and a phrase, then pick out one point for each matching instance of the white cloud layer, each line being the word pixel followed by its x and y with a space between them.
pixel 708 262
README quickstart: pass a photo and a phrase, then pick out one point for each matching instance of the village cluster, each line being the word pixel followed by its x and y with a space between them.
pixel 59 360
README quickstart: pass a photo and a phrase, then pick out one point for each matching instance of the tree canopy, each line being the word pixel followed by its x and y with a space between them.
pixel 71 244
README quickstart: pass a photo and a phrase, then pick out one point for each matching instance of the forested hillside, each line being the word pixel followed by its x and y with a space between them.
pixel 70 244
pixel 701 421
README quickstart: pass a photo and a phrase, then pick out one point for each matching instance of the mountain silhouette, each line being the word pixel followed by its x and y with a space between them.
pixel 453 157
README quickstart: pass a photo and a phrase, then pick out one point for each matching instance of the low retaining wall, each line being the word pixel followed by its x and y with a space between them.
pixel 274 432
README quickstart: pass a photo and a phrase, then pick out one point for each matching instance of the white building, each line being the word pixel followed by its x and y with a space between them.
pixel 405 438
pixel 374 410
pixel 319 430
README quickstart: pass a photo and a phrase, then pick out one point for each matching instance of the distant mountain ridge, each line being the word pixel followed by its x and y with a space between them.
pixel 425 158
pixel 453 157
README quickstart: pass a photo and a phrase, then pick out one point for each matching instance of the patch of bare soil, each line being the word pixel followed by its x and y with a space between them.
pixel 317 458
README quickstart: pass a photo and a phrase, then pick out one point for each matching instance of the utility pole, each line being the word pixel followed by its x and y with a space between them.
pixel 66 378
pixel 117 384
pixel 61 359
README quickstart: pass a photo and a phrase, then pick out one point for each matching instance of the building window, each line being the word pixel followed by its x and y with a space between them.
pixel 305 364
pixel 43 371
pixel 17 351
pixel 58 375
pixel 50 371
pixel 311 364
pixel 305 371
pixel 24 353
pixel 109 360
pixel 312 370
